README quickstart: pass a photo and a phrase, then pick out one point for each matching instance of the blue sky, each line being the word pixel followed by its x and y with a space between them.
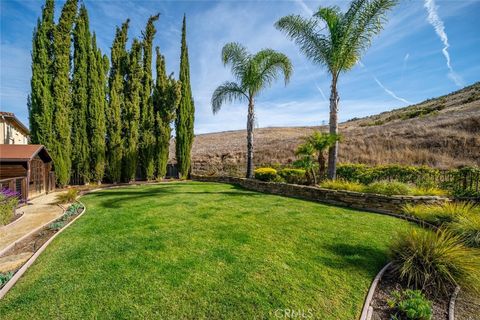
pixel 406 64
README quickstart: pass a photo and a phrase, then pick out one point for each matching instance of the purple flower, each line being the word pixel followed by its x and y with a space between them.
pixel 7 193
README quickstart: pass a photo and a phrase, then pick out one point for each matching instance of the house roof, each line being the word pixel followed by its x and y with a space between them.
pixel 23 152
pixel 12 116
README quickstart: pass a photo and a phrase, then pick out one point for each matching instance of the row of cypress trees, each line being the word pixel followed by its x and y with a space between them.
pixel 106 119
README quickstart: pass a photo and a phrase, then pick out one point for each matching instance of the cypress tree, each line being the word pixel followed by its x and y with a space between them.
pixel 62 144
pixel 81 82
pixel 131 114
pixel 147 117
pixel 116 104
pixel 166 97
pixel 40 102
pixel 185 113
pixel 97 71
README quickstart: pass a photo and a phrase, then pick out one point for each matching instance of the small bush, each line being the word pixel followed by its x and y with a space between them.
pixel 8 202
pixel 5 277
pixel 56 225
pixel 265 174
pixel 389 188
pixel 342 185
pixel 435 262
pixel 410 304
pixel 467 227
pixel 295 176
pixel 441 213
pixel 68 196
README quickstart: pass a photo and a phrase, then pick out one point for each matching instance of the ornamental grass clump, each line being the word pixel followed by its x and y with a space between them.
pixel 389 188
pixel 435 262
pixel 67 197
pixel 468 228
pixel 440 214
pixel 342 185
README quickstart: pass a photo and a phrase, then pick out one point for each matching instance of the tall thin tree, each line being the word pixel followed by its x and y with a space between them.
pixel 116 104
pixel 185 113
pixel 62 146
pixel 131 114
pixel 166 97
pixel 147 116
pixel 80 97
pixel 96 126
pixel 40 102
pixel 337 40
pixel 254 72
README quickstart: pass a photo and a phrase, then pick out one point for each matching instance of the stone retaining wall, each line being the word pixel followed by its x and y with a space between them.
pixel 357 200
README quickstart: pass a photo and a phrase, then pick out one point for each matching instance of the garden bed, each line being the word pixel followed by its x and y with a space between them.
pixel 383 293
pixel 22 250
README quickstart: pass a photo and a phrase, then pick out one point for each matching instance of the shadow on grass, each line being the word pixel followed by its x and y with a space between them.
pixel 359 257
pixel 115 197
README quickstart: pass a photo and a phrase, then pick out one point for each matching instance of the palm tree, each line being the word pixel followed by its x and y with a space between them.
pixel 306 160
pixel 253 72
pixel 337 40
pixel 320 142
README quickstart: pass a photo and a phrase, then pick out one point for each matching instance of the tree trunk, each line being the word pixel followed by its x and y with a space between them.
pixel 250 124
pixel 321 166
pixel 333 150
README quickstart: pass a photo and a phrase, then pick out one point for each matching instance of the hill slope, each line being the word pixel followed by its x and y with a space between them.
pixel 443 132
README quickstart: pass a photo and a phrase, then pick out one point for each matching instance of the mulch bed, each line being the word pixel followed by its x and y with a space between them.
pixel 467 306
pixel 390 283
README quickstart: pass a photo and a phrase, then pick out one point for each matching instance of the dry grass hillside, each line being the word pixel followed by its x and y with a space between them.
pixel 443 132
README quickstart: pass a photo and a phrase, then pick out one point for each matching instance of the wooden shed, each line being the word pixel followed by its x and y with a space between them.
pixel 26 169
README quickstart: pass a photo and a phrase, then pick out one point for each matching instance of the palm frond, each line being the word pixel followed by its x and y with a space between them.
pixel 227 92
pixel 237 56
pixel 304 32
pixel 363 24
pixel 268 65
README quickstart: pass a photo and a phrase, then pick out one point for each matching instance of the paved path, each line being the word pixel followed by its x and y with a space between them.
pixel 38 212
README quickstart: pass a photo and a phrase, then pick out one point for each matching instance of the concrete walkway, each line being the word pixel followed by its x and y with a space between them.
pixel 38 212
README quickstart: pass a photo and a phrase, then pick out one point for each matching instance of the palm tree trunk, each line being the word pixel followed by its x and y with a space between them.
pixel 321 165
pixel 333 150
pixel 250 123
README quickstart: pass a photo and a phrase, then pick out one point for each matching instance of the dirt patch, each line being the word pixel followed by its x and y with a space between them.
pixel 467 306
pixel 388 284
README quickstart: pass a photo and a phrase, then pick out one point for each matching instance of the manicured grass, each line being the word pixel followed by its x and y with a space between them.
pixel 203 250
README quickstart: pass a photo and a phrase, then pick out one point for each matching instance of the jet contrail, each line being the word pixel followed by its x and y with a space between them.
pixel 439 27
pixel 390 92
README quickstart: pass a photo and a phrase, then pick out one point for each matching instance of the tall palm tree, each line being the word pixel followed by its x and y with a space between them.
pixel 337 40
pixel 253 72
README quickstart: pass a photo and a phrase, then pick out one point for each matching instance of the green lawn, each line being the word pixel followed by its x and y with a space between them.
pixel 204 250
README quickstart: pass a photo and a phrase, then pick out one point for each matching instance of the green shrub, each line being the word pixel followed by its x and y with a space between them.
pixel 68 196
pixel 389 188
pixel 435 262
pixel 410 304
pixel 467 227
pixel 439 214
pixel 8 202
pixel 295 176
pixel 428 191
pixel 342 185
pixel 265 174
pixel 5 277
pixel 57 225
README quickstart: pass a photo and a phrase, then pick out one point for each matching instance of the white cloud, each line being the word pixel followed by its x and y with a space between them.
pixel 434 19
